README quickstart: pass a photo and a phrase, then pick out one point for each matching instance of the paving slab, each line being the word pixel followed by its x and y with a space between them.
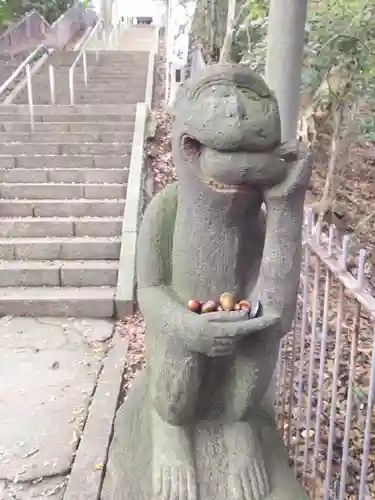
pixel 52 488
pixel 49 370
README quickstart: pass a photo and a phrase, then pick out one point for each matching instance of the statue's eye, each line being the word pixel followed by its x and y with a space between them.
pixel 221 91
pixel 248 94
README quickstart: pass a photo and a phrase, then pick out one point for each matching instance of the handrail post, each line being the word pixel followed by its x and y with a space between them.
pixel 83 54
pixel 52 86
pixel 71 84
pixel 118 33
pixel 20 68
pixel 84 60
pixel 30 95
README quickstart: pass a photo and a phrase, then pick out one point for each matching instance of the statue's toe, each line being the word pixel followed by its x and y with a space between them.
pixel 175 483
pixel 250 482
pixel 258 479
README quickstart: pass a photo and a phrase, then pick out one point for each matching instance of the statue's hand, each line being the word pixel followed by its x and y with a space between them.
pixel 218 333
pixel 298 173
pixel 209 333
pixel 269 322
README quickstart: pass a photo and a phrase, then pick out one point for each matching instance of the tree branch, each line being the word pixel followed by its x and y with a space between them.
pixel 231 26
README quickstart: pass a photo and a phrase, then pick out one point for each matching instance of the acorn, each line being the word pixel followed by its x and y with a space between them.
pixel 209 306
pixel 227 301
pixel 194 306
pixel 244 305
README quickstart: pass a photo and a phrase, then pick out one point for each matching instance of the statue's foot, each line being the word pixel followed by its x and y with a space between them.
pixel 248 479
pixel 175 482
pixel 174 476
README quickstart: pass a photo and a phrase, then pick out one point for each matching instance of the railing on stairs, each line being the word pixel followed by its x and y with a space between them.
pixel 95 32
pixel 18 41
pixel 55 36
pixel 76 18
pixel 120 26
pixel 33 32
pixel 25 67
pixel 25 33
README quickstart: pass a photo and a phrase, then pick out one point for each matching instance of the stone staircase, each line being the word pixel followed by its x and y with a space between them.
pixel 116 78
pixel 140 38
pixel 63 187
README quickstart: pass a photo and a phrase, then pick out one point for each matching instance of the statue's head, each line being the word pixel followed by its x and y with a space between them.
pixel 226 131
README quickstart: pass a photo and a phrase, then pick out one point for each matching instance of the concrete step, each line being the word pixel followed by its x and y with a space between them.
pixel 60 248
pixel 96 85
pixel 104 98
pixel 62 208
pixel 94 302
pixel 20 273
pixel 113 86
pixel 68 117
pixel 93 89
pixel 67 137
pixel 87 109
pixel 49 227
pixel 60 127
pixel 61 191
pixel 82 97
pixel 88 148
pixel 113 79
pixel 103 65
pixel 116 69
pixel 64 176
pixel 65 162
pixel 93 78
pixel 64 57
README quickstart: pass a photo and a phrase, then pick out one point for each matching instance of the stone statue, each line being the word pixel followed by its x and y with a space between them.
pixel 198 424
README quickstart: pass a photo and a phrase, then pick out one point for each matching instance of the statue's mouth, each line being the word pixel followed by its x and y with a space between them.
pixel 193 149
pixel 228 188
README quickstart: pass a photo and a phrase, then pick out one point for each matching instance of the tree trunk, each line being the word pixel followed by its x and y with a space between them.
pixel 285 44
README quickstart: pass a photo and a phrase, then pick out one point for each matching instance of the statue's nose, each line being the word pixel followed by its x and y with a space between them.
pixel 235 105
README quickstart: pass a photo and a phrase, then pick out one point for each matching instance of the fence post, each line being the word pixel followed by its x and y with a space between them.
pixel 368 430
pixel 361 269
pixel 335 378
pixel 30 95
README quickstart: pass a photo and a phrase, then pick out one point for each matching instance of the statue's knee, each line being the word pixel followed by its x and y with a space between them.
pixel 169 412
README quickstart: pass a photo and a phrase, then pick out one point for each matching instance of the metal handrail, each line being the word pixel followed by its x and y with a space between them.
pixel 82 54
pixel 122 22
pixel 40 48
pixel 14 26
pixel 22 66
pixel 114 31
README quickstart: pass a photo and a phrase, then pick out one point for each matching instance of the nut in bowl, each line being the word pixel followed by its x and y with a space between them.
pixel 194 306
pixel 226 303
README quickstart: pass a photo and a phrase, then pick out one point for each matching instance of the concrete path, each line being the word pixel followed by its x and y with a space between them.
pixel 49 369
